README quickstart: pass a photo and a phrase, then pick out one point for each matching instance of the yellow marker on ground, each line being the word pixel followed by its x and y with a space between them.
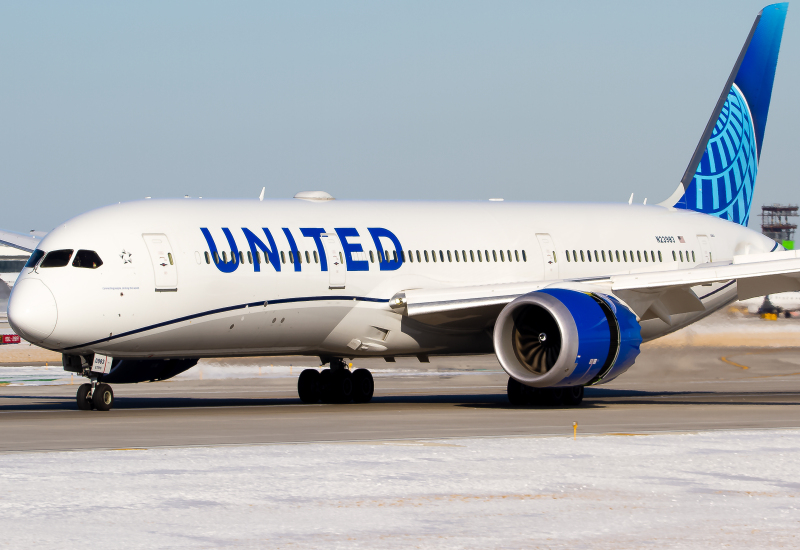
pixel 574 430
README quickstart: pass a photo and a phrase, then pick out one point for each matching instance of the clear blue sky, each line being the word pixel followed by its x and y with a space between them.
pixel 113 101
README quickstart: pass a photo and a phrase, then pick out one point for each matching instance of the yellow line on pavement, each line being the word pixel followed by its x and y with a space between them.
pixel 726 360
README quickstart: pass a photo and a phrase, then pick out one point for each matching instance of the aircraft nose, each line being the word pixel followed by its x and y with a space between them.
pixel 32 310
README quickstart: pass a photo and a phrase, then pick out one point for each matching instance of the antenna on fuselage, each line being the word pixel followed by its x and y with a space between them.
pixel 261 196
pixel 630 200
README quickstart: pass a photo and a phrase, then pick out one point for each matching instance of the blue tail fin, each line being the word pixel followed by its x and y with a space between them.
pixel 722 173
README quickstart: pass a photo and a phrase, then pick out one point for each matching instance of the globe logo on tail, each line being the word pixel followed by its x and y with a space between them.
pixel 723 183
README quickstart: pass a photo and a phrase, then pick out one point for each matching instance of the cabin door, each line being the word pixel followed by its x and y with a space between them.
pixel 705 247
pixel 337 270
pixel 164 268
pixel 548 256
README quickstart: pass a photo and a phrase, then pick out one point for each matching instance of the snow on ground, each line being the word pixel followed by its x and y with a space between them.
pixel 37 376
pixel 732 489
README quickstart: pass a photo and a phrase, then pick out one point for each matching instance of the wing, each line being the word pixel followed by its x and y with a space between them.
pixel 656 294
pixel 26 243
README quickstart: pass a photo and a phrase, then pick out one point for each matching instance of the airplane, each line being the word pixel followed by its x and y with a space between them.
pixel 140 291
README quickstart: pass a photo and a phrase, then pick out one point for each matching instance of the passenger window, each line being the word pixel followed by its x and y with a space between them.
pixel 659 256
pixel 494 255
pixel 341 258
pixel 34 258
pixel 316 258
pixel 472 256
pixel 403 255
pixel 371 257
pixel 486 254
pixel 511 260
pixel 574 255
pixel 241 257
pixel 625 256
pixel 652 256
pixel 646 259
pixel 589 255
pixel 441 256
pixel 524 256
pixel 283 258
pixel 88 259
pixel 455 253
pixel 516 255
pixel 394 256
pixel 603 254
pixel 291 257
pixel 693 256
pixel 555 257
pixel 208 258
pixel 426 255
pixel 502 256
pixel 582 258
pixel 308 258
pixel 169 255
pixel 567 256
pixel 596 256
pixel 639 255
pixel 433 255
pixel 224 257
pixel 216 257
pixel 680 253
pixel 419 259
pixel 464 255
pixel 632 258
pixel 674 258
pixel 480 258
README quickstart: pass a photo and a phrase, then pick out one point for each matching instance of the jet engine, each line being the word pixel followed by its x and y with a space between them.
pixel 560 337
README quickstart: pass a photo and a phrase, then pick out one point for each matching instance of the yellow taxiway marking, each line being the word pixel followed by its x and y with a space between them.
pixel 726 360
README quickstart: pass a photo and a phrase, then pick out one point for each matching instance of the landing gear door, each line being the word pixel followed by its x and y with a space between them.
pixel 705 247
pixel 164 268
pixel 337 270
pixel 548 256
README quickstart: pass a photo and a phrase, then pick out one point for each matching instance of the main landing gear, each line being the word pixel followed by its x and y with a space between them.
pixel 521 395
pixel 95 396
pixel 335 384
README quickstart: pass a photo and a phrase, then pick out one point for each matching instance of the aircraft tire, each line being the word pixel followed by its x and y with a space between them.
pixel 552 397
pixel 572 396
pixel 103 397
pixel 363 386
pixel 517 393
pixel 84 402
pixel 336 386
pixel 308 386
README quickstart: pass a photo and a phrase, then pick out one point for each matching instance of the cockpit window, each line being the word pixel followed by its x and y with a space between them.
pixel 88 259
pixel 35 257
pixel 57 258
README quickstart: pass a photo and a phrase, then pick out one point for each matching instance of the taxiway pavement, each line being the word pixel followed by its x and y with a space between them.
pixel 668 390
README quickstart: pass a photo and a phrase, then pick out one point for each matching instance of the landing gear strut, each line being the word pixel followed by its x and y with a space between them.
pixel 521 395
pixel 95 396
pixel 335 384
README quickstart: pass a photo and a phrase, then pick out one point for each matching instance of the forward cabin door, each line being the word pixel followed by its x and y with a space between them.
pixel 548 256
pixel 705 246
pixel 164 268
pixel 337 270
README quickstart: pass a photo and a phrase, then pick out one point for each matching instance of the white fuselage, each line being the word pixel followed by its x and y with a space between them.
pixel 117 309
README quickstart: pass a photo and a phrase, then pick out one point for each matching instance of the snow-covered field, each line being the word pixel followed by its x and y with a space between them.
pixel 730 489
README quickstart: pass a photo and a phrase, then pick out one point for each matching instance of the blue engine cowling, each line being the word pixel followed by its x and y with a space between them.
pixel 559 337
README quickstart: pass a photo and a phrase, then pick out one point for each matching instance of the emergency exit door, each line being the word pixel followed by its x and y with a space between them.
pixel 337 270
pixel 164 268
pixel 548 256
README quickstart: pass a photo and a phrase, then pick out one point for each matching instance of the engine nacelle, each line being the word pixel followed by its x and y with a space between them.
pixel 560 337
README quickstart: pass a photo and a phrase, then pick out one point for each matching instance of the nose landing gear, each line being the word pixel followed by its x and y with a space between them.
pixel 95 396
pixel 335 385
